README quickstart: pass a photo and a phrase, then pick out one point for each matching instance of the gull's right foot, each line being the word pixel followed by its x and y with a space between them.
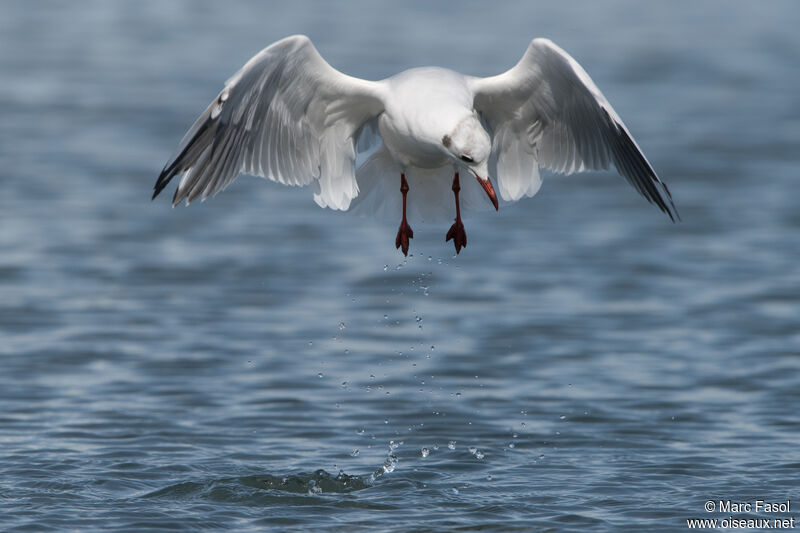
pixel 403 234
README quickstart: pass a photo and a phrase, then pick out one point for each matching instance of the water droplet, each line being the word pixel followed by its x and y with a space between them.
pixel 458 395
pixel 455 490
pixel 451 445
pixel 394 445
pixel 390 464
pixel 476 452
pixel 385 268
pixel 489 477
pixel 562 417
pixel 311 343
pixel 435 447
pixel 360 431
pixel 344 384
pixel 341 326
pixel 511 445
pixel 385 420
pixel 319 375
pixel 541 456
pixel 346 351
pixel 425 452
pixel 354 453
pixel 514 435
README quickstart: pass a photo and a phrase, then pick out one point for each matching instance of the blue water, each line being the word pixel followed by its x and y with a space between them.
pixel 256 363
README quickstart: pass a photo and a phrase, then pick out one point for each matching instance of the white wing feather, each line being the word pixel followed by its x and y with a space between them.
pixel 288 116
pixel 547 112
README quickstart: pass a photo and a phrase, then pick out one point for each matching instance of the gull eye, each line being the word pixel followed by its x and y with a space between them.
pixel 467 159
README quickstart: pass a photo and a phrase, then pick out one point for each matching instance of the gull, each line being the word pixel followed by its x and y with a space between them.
pixel 290 117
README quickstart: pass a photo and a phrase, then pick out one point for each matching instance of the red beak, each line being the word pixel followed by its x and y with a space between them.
pixel 487 186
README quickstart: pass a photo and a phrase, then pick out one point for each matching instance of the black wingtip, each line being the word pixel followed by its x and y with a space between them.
pixel 178 163
pixel 156 191
pixel 674 216
pixel 163 180
pixel 668 209
pixel 674 209
pixel 648 183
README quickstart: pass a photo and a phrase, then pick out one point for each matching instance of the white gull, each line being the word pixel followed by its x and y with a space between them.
pixel 289 116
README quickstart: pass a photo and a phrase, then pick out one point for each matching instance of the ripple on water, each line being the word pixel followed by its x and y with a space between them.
pixel 237 488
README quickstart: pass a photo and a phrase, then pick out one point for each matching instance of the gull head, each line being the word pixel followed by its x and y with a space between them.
pixel 469 146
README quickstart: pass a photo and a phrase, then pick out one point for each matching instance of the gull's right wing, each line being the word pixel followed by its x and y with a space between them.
pixel 288 116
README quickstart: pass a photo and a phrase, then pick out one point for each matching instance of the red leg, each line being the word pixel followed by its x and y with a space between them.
pixel 457 232
pixel 405 232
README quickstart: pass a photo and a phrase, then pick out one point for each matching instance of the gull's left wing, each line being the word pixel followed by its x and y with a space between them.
pixel 547 112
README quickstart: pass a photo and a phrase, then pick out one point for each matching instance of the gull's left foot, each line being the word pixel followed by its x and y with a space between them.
pixel 457 232
pixel 458 235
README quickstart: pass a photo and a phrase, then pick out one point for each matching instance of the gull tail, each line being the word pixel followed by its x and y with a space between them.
pixel 430 197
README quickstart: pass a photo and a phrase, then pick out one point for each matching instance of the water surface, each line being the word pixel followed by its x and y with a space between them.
pixel 255 362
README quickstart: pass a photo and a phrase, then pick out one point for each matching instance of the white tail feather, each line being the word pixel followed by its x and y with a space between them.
pixel 430 195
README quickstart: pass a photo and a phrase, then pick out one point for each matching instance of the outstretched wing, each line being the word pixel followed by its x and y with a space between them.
pixel 288 116
pixel 547 112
